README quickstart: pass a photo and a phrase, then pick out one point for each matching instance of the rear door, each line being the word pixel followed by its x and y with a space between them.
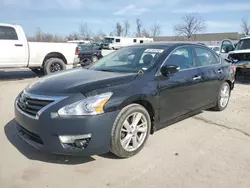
pixel 178 92
pixel 211 71
pixel 13 52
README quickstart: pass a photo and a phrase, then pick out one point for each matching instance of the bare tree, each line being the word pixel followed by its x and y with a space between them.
pixel 191 24
pixel 126 27
pixel 245 26
pixel 98 37
pixel 45 37
pixel 85 32
pixel 138 27
pixel 118 29
pixel 73 36
pixel 155 30
pixel 145 33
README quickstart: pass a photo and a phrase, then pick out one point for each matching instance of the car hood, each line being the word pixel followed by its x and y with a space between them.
pixel 240 55
pixel 78 80
pixel 240 51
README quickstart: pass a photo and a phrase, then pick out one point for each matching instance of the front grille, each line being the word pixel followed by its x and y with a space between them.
pixel 31 106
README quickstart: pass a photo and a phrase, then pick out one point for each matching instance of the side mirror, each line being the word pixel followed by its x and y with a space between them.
pixel 168 69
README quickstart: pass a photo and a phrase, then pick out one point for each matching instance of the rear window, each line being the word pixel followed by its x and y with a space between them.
pixel 8 33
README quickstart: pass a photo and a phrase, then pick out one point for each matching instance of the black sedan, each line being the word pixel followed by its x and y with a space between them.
pixel 117 102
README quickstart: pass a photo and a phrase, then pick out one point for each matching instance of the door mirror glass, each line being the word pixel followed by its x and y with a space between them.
pixel 169 69
pixel 227 46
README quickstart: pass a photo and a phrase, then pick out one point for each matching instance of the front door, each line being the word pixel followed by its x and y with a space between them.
pixel 226 47
pixel 13 51
pixel 178 91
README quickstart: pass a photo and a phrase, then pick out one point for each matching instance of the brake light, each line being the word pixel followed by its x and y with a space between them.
pixel 77 51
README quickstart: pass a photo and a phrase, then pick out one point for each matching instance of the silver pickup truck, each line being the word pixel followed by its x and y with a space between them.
pixel 239 55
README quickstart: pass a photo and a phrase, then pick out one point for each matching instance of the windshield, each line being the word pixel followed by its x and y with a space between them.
pixel 130 59
pixel 108 40
pixel 243 44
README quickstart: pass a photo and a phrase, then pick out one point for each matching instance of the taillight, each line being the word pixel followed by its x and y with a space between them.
pixel 77 51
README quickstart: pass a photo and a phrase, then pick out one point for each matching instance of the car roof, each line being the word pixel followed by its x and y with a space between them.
pixel 167 44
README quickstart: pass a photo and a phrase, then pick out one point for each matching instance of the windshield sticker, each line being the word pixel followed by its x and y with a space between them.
pixel 154 50
pixel 140 72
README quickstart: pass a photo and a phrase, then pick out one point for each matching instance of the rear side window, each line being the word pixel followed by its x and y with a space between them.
pixel 204 57
pixel 8 33
pixel 117 40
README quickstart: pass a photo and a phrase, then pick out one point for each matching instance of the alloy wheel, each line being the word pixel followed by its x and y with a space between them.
pixel 224 95
pixel 55 67
pixel 133 132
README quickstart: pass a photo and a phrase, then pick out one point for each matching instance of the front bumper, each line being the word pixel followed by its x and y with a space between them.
pixel 43 133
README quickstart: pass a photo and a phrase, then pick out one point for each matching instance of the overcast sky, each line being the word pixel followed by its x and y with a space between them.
pixel 65 16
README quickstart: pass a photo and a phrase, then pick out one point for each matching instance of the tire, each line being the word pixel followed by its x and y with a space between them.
pixel 219 106
pixel 37 70
pixel 117 135
pixel 94 59
pixel 54 65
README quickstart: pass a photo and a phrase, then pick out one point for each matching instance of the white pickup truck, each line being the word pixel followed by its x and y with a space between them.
pixel 17 52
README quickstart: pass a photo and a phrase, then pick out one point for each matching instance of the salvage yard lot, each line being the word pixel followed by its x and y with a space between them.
pixel 211 149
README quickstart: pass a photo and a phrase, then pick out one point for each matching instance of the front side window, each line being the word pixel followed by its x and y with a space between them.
pixel 130 59
pixel 182 57
pixel 8 33
pixel 117 40
pixel 204 57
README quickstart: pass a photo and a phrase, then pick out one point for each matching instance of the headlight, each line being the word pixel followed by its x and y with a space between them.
pixel 89 106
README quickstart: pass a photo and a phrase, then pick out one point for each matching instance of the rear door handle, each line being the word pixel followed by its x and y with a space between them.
pixel 19 45
pixel 197 78
pixel 219 71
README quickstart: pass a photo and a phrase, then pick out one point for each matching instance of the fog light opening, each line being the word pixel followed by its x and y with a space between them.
pixel 73 138
pixel 74 142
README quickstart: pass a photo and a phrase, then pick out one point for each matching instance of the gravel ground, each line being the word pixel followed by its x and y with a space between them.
pixel 209 150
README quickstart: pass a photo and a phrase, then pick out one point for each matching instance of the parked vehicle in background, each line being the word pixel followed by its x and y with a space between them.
pixel 89 54
pixel 215 48
pixel 114 43
pixel 239 55
pixel 17 52
pixel 122 98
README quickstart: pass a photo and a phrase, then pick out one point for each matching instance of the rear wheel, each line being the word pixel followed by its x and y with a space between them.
pixel 54 65
pixel 223 97
pixel 94 59
pixel 130 131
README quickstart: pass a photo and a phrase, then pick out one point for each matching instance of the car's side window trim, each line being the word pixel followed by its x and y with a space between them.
pixel 158 72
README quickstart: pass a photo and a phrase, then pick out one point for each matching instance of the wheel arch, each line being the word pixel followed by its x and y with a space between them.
pixel 146 103
pixel 55 55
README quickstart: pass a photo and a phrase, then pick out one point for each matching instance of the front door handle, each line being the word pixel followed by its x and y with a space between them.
pixel 197 78
pixel 19 45
pixel 219 71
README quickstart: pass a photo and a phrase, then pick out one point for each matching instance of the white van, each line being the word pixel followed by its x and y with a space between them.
pixel 115 43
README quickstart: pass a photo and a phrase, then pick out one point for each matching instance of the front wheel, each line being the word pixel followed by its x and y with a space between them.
pixel 223 97
pixel 130 131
